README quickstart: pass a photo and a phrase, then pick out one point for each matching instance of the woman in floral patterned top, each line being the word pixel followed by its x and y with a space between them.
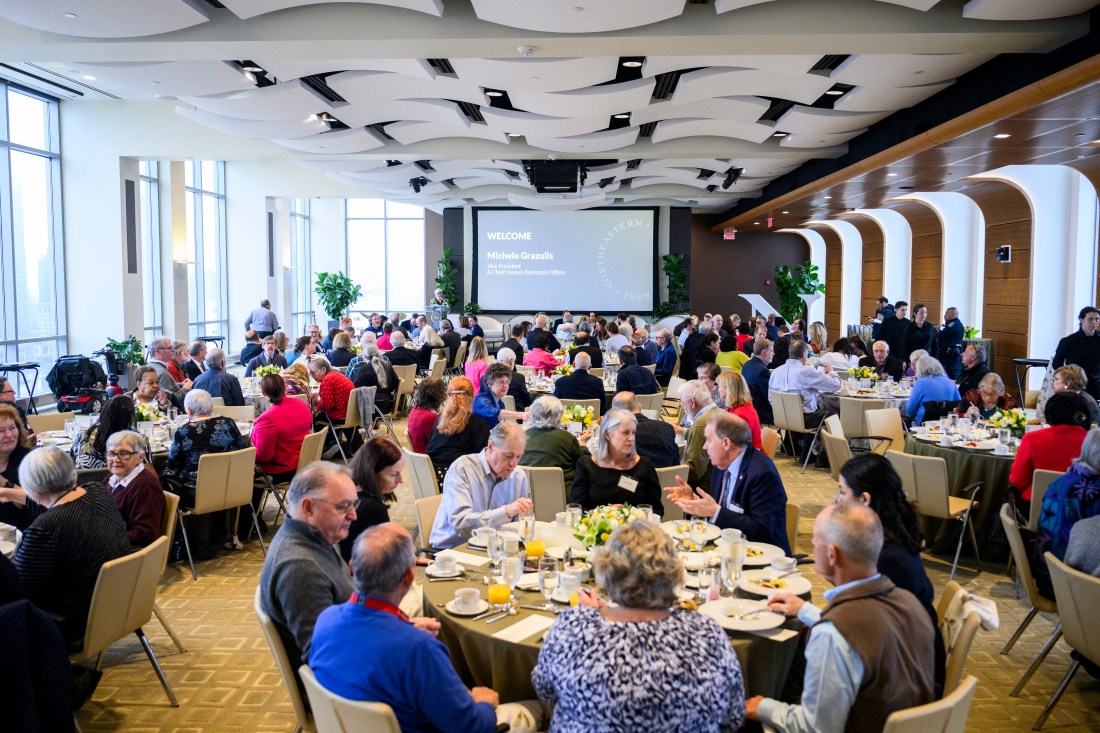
pixel 90 447
pixel 203 433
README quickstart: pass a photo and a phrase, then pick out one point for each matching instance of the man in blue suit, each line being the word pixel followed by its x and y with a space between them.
pixel 580 385
pixel 746 492
pixel 634 378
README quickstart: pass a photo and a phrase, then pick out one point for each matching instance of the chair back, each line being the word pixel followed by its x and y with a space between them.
pixel 769 440
pixel 838 451
pixel 224 480
pixel 667 477
pixel 525 369
pixel 509 402
pixel 426 510
pixel 460 356
pixel 933 492
pixel 236 413
pixel 313 445
pixel 49 421
pixel 596 405
pixel 421 474
pixel 87 475
pixel 936 409
pixel 789 411
pixel 652 368
pixel 958 652
pixel 1041 480
pixel 122 601
pixel 1078 597
pixel 942 716
pixel 217 401
pixel 792 525
pixel 887 423
pixel 335 714
pixel 834 426
pixel 437 363
pixel 672 392
pixel 341 369
pixel 851 414
pixel 282 663
pixel 1023 562
pixel 650 401
pixel 168 522
pixel 547 491
pixel 303 397
pixel 407 374
pixel 596 371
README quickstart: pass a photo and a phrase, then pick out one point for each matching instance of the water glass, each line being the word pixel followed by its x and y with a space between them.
pixel 495 545
pixel 647 511
pixel 974 418
pixel 953 422
pixel 730 570
pixel 173 413
pixel 512 570
pixel 575 513
pixel 706 578
pixel 698 532
pixel 1004 436
pixel 527 527
pixel 548 579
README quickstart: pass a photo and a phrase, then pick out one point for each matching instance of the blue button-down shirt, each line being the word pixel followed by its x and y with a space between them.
pixel 472 496
pixel 794 376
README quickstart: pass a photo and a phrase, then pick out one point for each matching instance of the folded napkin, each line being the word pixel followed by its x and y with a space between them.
pixel 465 558
pixel 777 634
pixel 525 628
pixel 960 608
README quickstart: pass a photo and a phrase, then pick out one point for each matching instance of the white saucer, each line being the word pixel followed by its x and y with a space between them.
pixel 796 584
pixel 558 597
pixel 482 607
pixel 434 572
pixel 724 609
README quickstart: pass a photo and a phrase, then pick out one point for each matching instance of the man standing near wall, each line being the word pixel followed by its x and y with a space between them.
pixel 262 320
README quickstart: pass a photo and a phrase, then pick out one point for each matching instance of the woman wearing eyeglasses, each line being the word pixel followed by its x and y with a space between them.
pixel 134 486
pixel 15 441
pixel 90 447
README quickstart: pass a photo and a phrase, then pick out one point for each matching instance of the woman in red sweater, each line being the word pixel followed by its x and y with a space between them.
pixel 333 389
pixel 1052 448
pixel 426 399
pixel 278 433
pixel 735 394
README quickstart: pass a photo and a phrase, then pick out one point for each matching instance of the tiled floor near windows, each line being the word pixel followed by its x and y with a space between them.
pixel 227 680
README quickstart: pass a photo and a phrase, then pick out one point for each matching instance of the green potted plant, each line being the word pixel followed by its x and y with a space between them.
pixel 446 276
pixel 675 266
pixel 129 355
pixel 336 292
pixel 472 308
pixel 794 282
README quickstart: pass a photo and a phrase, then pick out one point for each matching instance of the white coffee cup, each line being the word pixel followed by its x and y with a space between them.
pixel 483 534
pixel 466 599
pixel 562 518
pixel 784 564
pixel 445 562
pixel 945 441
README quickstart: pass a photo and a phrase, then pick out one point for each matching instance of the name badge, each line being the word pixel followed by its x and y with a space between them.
pixel 736 508
pixel 627 483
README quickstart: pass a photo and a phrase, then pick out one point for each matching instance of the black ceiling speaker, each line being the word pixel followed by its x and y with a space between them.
pixel 555 176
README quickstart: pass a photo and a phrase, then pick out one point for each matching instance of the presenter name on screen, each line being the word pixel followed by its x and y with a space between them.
pixel 519 255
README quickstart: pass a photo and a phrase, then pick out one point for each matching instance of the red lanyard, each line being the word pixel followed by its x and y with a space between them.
pixel 377 605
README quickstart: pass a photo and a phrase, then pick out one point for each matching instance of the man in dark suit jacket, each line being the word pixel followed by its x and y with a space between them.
pixel 540 327
pixel 883 364
pixel 194 366
pixel 583 345
pixel 252 348
pixel 745 490
pixel 758 377
pixel 450 337
pixel 580 385
pixel 633 378
pixel 399 355
pixel 654 439
pixel 973 369
pixel 516 343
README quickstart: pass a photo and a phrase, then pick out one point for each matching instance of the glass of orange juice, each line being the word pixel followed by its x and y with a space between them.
pixel 535 549
pixel 500 594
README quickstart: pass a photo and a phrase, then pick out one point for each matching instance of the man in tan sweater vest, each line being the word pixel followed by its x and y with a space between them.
pixel 870 650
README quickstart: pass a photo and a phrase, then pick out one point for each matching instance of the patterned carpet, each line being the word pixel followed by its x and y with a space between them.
pixel 227 681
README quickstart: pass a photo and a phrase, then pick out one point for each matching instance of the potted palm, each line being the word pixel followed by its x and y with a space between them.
pixel 336 292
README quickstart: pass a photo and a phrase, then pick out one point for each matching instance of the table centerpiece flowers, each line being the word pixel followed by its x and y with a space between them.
pixel 596 526
pixel 1014 419
pixel 262 371
pixel 859 372
pixel 585 416
pixel 562 370
pixel 145 413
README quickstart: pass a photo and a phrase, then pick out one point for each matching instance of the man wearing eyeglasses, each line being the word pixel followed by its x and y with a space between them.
pixel 162 353
pixel 303 573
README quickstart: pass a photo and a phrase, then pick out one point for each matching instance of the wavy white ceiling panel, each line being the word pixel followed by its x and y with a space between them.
pixel 596 142
pixel 1024 9
pixel 723 82
pixel 921 5
pixel 287 69
pixel 792 65
pixel 874 98
pixel 352 165
pixel 683 176
pixel 816 140
pixel 760 167
pixel 287 101
pixel 471 172
pixel 460 167
pixel 905 69
pixel 746 110
pixel 338 142
pixel 692 127
pixel 410 132
pixel 598 101
pixel 576 16
pixel 106 18
pixel 424 110
pixel 543 203
pixel 594 188
pixel 724 6
pixel 168 79
pixel 604 171
pixel 252 8
pixel 471 183
pixel 372 86
pixel 388 175
pixel 266 129
pixel 643 181
pixel 431 189
pixel 506 120
pixel 508 165
pixel 657 166
pixel 813 120
pixel 534 74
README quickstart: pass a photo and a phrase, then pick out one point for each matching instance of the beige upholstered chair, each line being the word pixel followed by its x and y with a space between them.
pixel 282 663
pixel 852 410
pixel 224 481
pixel 667 477
pixel 596 405
pixel 651 367
pixel 353 421
pixel 312 447
pixel 217 401
pixel 942 716
pixel 407 374
pixel 838 451
pixel 1040 481
pixel 167 528
pixel 788 416
pixel 548 491
pixel 887 424
pixel 49 421
pixel 651 401
pixel 335 714
pixel 769 440
pixel 421 474
pixel 960 650
pixel 671 403
pixel 122 603
pixel 236 413
pixel 834 426
pixel 426 510
pixel 792 525
pixel 459 360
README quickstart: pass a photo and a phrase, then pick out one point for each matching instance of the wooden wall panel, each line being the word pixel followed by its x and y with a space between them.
pixel 927 272
pixel 873 238
pixel 832 281
pixel 1007 285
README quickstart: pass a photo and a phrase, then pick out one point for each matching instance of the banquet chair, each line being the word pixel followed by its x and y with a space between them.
pixel 789 417
pixel 838 451
pixel 426 510
pixel 437 364
pixel 303 397
pixel 167 529
pixel 283 664
pixel 352 423
pixel 224 481
pixel 236 413
pixel 421 474
pixel 924 480
pixel 885 423
pixel 671 402
pixel 650 401
pixel 769 440
pixel 851 414
pixel 457 363
pixel 834 426
pixel 312 447
pixel 335 714
pixel 548 491
pixel 667 477
pixel 525 370
pixel 958 652
pixel 1078 597
pixel 217 401
pixel 792 525
pixel 122 603
pixel 406 373
pixel 509 403
pixel 1041 480
pixel 87 475
pixel 651 367
pixel 1037 600
pixel 596 405
pixel 597 371
pixel 46 421
pixel 942 716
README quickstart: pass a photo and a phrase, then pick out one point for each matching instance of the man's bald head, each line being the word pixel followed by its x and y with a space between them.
pixel 381 559
pixel 626 401
pixel 582 361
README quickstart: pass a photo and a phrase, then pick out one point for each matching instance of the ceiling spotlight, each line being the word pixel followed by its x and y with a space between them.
pixel 786 212
pixel 605 182
pixel 418 183
pixel 326 117
pixel 731 177
pixel 526 51
pixel 250 66
pixel 891 175
pixel 834 92
pixel 514 134
pixel 89 77
pixel 779 134
pixel 1002 136
pixel 632 64
pixel 494 93
pixel 828 197
pixel 624 116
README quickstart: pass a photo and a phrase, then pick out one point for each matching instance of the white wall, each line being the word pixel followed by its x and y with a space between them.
pixel 328 244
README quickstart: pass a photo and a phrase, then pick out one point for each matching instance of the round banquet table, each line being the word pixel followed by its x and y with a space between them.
pixel 481 659
pixel 964 468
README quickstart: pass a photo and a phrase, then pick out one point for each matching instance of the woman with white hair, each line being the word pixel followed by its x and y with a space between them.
pixel 376 372
pixel 616 474
pixel 204 432
pixel 548 443
pixel 135 487
pixel 74 531
pixel 932 384
pixel 333 388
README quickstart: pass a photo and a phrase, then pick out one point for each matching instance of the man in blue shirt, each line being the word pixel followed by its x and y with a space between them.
pixel 634 378
pixel 368 650
pixel 488 404
pixel 665 358
pixel 218 382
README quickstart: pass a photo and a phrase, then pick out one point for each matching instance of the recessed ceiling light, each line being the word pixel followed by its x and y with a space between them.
pixel 89 77
pixel 253 68
pixel 835 92
pixel 70 16
pixel 514 134
pixel 1002 136
pixel 786 212
pixel 828 197
pixel 891 175
pixel 632 64
pixel 778 134
pixel 494 93
pixel 624 116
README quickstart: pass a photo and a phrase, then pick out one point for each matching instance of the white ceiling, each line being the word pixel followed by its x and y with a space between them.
pixel 669 130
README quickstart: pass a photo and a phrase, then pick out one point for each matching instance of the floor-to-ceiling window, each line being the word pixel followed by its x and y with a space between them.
pixel 301 283
pixel 206 276
pixel 149 190
pixel 32 262
pixel 386 254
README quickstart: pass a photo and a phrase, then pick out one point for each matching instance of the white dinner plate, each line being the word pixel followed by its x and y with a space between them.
pixel 433 571
pixel 792 583
pixel 482 607
pixel 767 554
pixel 977 445
pixel 54 434
pixel 7 549
pixel 724 609
pixel 928 437
pixel 680 529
